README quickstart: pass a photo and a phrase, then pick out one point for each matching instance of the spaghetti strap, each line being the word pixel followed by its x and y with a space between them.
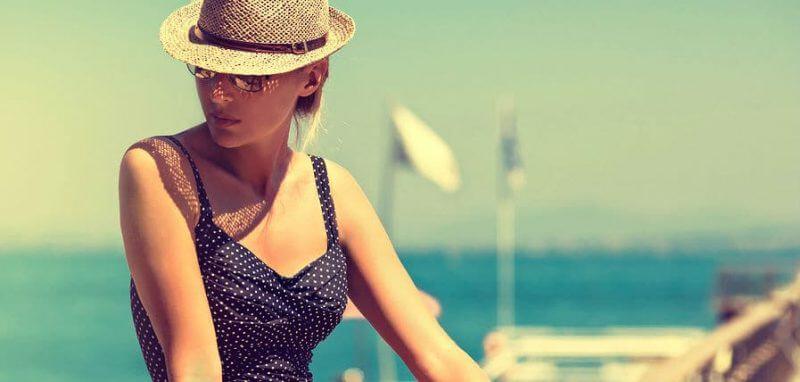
pixel 325 200
pixel 205 205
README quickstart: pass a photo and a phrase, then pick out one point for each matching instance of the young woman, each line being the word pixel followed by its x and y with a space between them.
pixel 240 263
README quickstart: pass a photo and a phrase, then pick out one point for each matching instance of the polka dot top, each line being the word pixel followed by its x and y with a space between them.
pixel 266 324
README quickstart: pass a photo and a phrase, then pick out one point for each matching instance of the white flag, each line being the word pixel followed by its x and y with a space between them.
pixel 424 150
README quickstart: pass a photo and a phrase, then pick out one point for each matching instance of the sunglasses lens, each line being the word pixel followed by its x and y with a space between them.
pixel 249 83
pixel 200 72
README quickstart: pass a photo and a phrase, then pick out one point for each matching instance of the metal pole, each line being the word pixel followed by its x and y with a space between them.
pixel 505 261
pixel 505 232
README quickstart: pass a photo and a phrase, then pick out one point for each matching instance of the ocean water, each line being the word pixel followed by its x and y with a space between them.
pixel 66 316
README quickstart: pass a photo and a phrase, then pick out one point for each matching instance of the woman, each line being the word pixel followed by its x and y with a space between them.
pixel 223 223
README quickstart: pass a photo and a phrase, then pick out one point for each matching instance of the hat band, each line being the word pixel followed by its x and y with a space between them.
pixel 295 48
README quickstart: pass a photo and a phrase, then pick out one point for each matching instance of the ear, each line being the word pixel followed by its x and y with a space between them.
pixel 312 76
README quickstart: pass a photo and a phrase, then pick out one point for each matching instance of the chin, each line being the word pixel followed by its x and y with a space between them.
pixel 224 137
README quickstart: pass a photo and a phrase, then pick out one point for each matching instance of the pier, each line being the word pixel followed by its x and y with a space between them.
pixel 759 344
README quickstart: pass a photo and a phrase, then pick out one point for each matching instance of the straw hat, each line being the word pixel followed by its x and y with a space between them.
pixel 255 36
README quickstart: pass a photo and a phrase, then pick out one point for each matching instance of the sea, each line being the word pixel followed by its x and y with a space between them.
pixel 65 316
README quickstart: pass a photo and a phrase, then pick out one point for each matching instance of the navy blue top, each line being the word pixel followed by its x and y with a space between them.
pixel 266 324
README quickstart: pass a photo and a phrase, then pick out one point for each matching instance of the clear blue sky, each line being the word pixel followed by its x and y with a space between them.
pixel 639 122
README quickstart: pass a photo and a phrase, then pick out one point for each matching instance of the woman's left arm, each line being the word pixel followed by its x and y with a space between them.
pixel 380 287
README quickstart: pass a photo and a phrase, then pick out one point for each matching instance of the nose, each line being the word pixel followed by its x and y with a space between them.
pixel 220 92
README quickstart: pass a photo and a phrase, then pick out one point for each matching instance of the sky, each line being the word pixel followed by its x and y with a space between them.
pixel 640 123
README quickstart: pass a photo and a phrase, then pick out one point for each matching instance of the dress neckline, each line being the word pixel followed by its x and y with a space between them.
pixel 323 193
pixel 268 267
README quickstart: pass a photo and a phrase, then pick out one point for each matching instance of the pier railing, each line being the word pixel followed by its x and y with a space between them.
pixel 758 344
pixel 547 354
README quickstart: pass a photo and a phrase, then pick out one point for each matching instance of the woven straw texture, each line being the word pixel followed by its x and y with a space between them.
pixel 258 21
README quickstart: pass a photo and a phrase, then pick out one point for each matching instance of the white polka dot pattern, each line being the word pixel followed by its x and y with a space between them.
pixel 266 324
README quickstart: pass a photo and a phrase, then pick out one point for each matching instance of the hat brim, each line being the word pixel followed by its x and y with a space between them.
pixel 175 38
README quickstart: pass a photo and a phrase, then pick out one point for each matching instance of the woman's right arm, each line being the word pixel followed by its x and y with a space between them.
pixel 161 256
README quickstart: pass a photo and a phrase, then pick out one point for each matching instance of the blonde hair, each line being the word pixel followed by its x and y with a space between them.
pixel 309 109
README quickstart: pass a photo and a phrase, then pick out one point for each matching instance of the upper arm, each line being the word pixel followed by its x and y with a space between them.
pixel 160 253
pixel 378 283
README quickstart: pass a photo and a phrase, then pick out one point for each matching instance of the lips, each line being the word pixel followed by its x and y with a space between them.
pixel 224 118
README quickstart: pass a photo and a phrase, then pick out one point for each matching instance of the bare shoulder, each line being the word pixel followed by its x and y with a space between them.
pixel 340 178
pixel 153 164
pixel 348 198
pixel 139 164
pixel 146 150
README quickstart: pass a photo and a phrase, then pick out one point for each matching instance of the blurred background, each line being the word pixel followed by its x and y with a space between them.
pixel 658 142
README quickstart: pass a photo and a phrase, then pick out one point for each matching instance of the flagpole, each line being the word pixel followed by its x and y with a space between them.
pixel 505 219
pixel 505 259
pixel 386 366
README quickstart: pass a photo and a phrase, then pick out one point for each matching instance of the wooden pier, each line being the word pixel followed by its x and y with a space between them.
pixel 761 343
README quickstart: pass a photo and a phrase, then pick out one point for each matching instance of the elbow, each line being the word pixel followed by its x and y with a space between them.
pixel 453 365
pixel 194 369
pixel 195 375
pixel 192 359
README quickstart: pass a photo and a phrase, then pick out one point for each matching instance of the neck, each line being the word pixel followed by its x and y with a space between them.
pixel 262 164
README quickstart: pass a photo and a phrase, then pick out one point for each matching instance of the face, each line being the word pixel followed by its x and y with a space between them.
pixel 236 117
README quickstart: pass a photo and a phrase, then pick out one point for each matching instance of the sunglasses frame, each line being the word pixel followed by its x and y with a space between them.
pixel 196 70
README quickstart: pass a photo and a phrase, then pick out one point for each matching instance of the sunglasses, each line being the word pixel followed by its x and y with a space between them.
pixel 250 83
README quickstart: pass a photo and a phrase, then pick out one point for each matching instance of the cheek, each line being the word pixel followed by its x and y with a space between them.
pixel 272 105
pixel 279 92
